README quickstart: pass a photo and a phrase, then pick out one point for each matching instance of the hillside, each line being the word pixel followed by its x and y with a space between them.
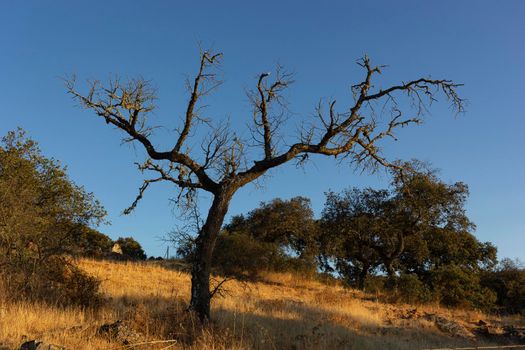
pixel 283 312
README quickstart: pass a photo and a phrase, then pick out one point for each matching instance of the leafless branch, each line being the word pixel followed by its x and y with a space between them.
pixel 207 60
pixel 343 131
pixel 219 289
pixel 351 134
pixel 127 105
pixel 142 189
pixel 266 120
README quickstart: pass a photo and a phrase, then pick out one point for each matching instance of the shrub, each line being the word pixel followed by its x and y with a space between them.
pixel 241 256
pixel 508 282
pixel 375 284
pixel 55 280
pixel 42 214
pixel 131 249
pixel 460 287
pixel 410 289
pixel 91 243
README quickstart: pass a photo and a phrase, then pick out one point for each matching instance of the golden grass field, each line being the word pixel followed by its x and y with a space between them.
pixel 284 312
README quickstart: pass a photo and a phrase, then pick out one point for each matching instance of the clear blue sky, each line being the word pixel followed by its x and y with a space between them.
pixel 478 43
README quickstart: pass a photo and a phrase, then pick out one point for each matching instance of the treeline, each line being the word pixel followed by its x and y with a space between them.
pixel 45 221
pixel 411 242
pixel 91 243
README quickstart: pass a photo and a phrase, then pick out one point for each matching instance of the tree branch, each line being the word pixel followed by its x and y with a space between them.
pixel 135 99
pixel 344 131
pixel 218 288
pixel 207 59
pixel 142 189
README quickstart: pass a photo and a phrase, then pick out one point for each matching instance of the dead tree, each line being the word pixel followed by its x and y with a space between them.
pixel 221 165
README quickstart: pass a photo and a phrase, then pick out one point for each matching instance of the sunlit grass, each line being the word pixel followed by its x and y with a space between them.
pixel 283 312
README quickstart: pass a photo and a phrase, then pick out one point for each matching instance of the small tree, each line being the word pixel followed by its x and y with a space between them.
pixel 289 224
pixel 278 235
pixel 418 224
pixel 241 256
pixel 221 167
pixel 507 280
pixel 131 248
pixel 42 214
pixel 91 243
pixel 350 225
pixel 420 203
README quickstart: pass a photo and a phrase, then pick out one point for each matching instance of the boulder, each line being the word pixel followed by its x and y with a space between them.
pixel 119 331
pixel 449 326
pixel 40 345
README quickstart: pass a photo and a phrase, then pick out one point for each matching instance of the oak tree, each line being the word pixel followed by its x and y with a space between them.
pixel 350 226
pixel 288 224
pixel 225 161
pixel 416 227
pixel 131 249
pixel 42 216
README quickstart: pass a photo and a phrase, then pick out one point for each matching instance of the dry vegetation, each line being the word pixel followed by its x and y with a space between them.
pixel 283 312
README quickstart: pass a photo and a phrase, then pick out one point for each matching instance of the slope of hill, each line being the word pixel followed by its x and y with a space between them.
pixel 283 312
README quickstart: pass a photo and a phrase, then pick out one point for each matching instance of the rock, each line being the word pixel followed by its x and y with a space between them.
pixel 40 345
pixel 492 330
pixel 29 345
pixel 120 332
pixel 410 314
pixel 451 327
pixel 117 249
pixel 517 333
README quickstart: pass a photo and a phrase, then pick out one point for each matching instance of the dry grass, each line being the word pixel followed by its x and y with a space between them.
pixel 284 312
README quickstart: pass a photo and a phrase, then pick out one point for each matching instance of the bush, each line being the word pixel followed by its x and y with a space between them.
pixel 410 289
pixel 241 256
pixel 460 287
pixel 55 281
pixel 508 282
pixel 91 243
pixel 375 284
pixel 42 215
pixel 131 249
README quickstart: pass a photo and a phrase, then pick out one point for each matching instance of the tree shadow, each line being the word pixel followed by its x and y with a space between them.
pixel 280 324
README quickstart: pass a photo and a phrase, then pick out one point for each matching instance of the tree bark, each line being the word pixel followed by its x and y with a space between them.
pixel 204 245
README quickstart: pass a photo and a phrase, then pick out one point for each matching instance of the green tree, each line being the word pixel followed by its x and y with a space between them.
pixel 416 226
pixel 91 243
pixel 350 224
pixel 443 247
pixel 131 248
pixel 41 215
pixel 241 256
pixel 289 224
pixel 420 204
pixel 507 280
pixel 278 235
pixel 458 286
pixel 221 165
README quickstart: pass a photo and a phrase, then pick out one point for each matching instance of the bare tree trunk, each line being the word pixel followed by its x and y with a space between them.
pixel 201 265
pixel 200 280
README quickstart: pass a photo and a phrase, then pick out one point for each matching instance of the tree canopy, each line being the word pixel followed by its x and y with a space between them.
pixel 416 227
pixel 42 214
